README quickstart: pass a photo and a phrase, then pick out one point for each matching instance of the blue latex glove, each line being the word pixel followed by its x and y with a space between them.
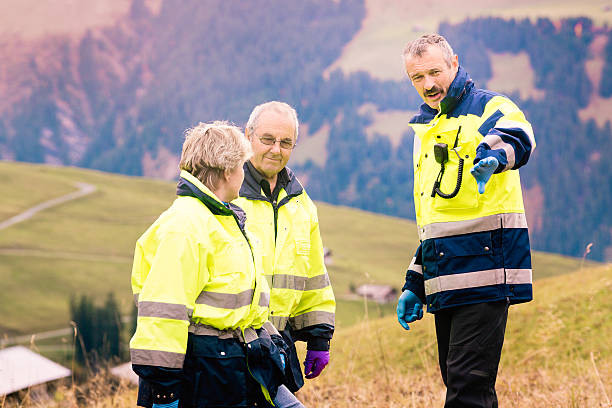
pixel 315 362
pixel 282 357
pixel 409 309
pixel 173 404
pixel 483 170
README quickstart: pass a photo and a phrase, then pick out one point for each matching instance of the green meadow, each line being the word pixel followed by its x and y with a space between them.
pixel 85 246
pixel 557 350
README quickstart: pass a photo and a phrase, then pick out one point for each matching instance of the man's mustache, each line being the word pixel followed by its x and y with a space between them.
pixel 433 91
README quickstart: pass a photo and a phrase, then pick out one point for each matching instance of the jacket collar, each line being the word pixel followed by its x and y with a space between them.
pixel 458 89
pixel 251 188
pixel 461 86
pixel 189 186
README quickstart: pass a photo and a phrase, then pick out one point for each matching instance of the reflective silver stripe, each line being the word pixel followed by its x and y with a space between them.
pixel 136 299
pixel 414 267
pixel 282 281
pixel 279 321
pixel 496 142
pixel 205 330
pixel 518 276
pixel 311 318
pixel 250 334
pixel 488 223
pixel 514 220
pixel 464 281
pixel 226 300
pixel 157 358
pixel 270 328
pixel 317 282
pixel 264 299
pixel 162 310
pixel 513 124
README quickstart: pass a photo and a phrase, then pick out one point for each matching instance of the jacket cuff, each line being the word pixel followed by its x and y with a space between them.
pixel 317 344
pixel 484 150
pixel 416 284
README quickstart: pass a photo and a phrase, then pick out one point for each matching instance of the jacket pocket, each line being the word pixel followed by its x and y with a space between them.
pixel 459 158
pixel 465 253
pixel 219 372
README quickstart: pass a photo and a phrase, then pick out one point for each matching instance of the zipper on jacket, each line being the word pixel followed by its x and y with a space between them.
pixel 275 209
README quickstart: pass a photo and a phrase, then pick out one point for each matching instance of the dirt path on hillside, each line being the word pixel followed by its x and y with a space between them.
pixel 83 190
pixel 78 256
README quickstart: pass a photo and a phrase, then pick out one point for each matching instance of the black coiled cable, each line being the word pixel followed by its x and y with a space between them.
pixel 443 159
pixel 436 188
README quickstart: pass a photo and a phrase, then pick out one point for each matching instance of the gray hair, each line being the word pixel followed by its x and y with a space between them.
pixel 419 46
pixel 210 149
pixel 276 106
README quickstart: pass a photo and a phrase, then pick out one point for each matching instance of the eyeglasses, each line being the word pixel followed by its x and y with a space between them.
pixel 284 143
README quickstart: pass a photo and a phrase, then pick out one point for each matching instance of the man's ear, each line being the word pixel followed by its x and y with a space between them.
pixel 455 63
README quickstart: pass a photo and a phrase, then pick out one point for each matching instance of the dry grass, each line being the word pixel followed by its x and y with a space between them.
pixel 102 391
pixel 391 387
pixel 516 387
pixel 557 354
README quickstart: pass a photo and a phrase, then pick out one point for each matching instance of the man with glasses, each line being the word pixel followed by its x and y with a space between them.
pixel 283 219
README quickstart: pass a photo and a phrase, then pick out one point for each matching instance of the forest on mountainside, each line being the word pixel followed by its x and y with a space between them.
pixel 568 164
pixel 129 90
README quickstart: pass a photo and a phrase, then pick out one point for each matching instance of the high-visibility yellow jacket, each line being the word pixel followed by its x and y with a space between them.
pixel 194 272
pixel 293 260
pixel 474 247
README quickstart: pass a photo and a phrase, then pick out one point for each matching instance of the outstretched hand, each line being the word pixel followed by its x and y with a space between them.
pixel 483 170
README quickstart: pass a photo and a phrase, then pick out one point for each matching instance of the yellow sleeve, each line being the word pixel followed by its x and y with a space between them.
pixel 166 299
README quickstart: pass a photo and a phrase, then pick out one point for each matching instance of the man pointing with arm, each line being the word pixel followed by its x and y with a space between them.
pixel 474 258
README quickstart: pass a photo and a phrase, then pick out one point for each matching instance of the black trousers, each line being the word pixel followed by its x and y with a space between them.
pixel 470 340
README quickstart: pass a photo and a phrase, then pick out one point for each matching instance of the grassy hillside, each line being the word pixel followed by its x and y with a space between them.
pixel 557 353
pixel 85 246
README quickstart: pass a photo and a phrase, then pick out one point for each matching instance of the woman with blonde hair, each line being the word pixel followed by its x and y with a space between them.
pixel 202 337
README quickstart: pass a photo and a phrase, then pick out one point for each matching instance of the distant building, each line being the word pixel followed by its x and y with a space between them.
pixel 378 293
pixel 125 372
pixel 21 368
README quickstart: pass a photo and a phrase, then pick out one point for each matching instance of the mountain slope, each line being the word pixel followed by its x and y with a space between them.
pixel 119 97
pixel 85 246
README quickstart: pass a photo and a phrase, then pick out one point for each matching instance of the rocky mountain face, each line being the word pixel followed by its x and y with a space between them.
pixel 119 97
pixel 69 100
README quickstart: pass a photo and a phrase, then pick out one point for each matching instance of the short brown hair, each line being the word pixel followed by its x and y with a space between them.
pixel 212 148
pixel 419 46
